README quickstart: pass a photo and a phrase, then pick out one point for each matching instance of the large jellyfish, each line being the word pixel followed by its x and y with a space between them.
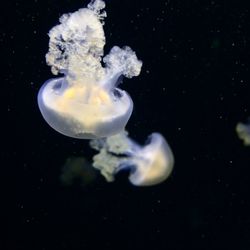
pixel 149 165
pixel 85 103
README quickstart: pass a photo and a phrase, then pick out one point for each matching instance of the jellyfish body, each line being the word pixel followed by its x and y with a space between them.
pixel 149 165
pixel 86 102
pixel 75 118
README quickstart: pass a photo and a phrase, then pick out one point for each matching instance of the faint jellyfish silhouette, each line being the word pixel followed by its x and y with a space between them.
pixel 77 169
pixel 149 165
pixel 243 132
pixel 86 102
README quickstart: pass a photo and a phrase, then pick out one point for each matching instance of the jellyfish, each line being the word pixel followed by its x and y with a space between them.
pixel 243 132
pixel 86 102
pixel 77 169
pixel 148 165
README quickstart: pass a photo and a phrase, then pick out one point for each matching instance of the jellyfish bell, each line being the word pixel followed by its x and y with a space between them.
pixel 153 163
pixel 86 103
pixel 76 114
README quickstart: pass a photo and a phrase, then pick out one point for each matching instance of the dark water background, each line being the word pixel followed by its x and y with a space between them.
pixel 194 88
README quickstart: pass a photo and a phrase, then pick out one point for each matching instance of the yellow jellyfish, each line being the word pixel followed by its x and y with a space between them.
pixel 149 165
pixel 86 102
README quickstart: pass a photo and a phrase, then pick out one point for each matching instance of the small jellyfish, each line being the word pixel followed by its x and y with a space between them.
pixel 85 103
pixel 243 132
pixel 149 165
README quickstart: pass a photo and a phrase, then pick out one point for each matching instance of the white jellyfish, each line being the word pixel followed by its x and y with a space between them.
pixel 243 132
pixel 149 165
pixel 86 102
